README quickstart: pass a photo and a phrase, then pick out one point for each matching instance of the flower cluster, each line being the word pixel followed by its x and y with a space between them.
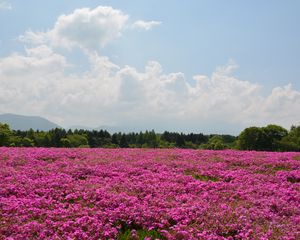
pixel 148 194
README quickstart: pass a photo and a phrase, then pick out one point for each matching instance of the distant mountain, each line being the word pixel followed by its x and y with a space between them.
pixel 78 127
pixel 20 122
pixel 110 129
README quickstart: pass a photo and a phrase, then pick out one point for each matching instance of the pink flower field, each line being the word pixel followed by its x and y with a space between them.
pixel 148 194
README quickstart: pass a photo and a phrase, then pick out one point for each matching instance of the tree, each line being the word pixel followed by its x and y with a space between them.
pixel 273 134
pixel 123 141
pixel 140 139
pixel 166 136
pixel 251 138
pixel 267 138
pixel 180 140
pixel 216 143
pixel 77 140
pixel 27 142
pixel 65 142
pixel 55 136
pixel 114 139
pixel 40 139
pixel 15 141
pixel 5 134
pixel 151 139
pixel 291 142
pixel 30 134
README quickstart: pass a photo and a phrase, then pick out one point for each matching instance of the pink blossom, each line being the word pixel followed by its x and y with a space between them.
pixel 175 193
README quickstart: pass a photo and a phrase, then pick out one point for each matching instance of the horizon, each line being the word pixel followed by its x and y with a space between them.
pixel 206 66
pixel 115 129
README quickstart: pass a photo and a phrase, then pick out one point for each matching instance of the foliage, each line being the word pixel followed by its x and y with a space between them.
pixel 77 140
pixel 273 134
pixel 269 138
pixel 123 141
pixel 27 142
pixel 134 231
pixel 15 141
pixel 251 139
pixel 5 134
pixel 291 142
pixel 65 142
pixel 216 143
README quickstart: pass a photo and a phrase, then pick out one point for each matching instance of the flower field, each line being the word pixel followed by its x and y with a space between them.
pixel 148 194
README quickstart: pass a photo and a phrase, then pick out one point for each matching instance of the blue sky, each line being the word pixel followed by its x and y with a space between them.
pixel 252 48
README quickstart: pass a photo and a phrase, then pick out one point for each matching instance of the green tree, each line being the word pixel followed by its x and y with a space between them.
pixel 291 142
pixel 216 142
pixel 27 142
pixel 180 142
pixel 15 141
pixel 251 138
pixel 5 134
pixel 123 141
pixel 273 135
pixel 65 142
pixel 266 138
pixel 30 134
pixel 140 139
pixel 77 140
pixel 40 139
pixel 151 139
pixel 114 139
pixel 55 135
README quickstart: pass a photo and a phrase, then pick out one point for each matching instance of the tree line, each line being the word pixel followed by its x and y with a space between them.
pixel 269 138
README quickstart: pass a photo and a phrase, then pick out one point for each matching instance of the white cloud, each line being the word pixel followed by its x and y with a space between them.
pixel 4 5
pixel 38 83
pixel 87 28
pixel 35 38
pixel 42 82
pixel 144 25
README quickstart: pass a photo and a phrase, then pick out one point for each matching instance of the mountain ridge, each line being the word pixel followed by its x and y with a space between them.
pixel 110 129
pixel 23 122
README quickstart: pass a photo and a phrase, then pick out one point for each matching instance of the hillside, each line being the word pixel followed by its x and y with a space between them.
pixel 20 122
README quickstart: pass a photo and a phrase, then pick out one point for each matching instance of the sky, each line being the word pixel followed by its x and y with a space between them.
pixel 208 66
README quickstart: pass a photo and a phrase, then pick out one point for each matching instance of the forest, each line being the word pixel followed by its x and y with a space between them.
pixel 269 138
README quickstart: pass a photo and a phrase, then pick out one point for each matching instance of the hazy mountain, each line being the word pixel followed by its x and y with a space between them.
pixel 110 129
pixel 78 127
pixel 20 122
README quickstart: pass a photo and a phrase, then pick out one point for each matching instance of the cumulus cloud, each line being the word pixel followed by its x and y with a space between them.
pixel 89 29
pixel 86 28
pixel 35 38
pixel 144 25
pixel 4 5
pixel 41 82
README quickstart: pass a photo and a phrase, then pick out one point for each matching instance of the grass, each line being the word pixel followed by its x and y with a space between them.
pixel 281 168
pixel 293 179
pixel 271 169
pixel 201 177
pixel 126 232
pixel 296 157
pixel 205 178
pixel 141 234
pixel 216 159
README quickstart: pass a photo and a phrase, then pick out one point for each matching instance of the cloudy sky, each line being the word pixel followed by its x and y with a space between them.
pixel 204 66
